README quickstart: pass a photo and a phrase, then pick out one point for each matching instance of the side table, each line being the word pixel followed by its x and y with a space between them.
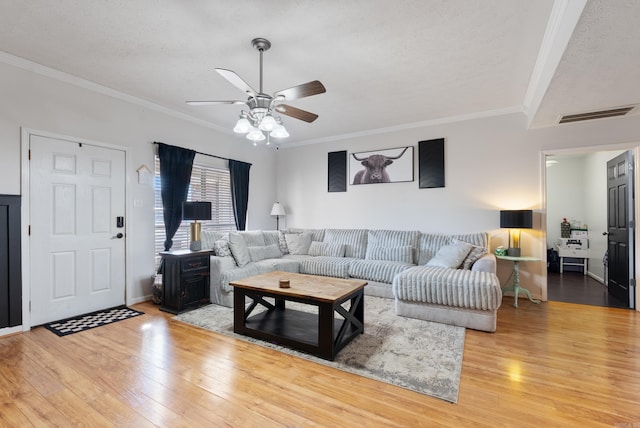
pixel 515 287
pixel 185 280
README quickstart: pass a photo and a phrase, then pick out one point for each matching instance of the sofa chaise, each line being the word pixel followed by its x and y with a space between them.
pixel 435 277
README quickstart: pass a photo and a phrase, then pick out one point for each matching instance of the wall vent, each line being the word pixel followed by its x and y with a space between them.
pixel 621 111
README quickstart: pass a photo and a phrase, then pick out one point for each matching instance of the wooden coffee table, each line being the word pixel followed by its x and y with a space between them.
pixel 319 332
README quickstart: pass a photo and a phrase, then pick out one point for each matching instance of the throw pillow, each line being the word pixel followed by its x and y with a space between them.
pixel 298 243
pixel 473 256
pixel 402 254
pixel 221 248
pixel 282 242
pixel 450 256
pixel 326 249
pixel 265 252
pixel 238 248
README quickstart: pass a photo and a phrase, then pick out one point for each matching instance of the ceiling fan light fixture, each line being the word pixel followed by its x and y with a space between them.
pixel 255 135
pixel 242 126
pixel 267 123
pixel 279 131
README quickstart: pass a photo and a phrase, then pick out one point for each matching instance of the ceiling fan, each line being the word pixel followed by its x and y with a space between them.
pixel 262 107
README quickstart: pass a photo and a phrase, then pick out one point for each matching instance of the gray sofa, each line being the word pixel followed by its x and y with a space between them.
pixel 443 278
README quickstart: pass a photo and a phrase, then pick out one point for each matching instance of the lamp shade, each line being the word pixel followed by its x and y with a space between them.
pixel 278 209
pixel 520 219
pixel 196 210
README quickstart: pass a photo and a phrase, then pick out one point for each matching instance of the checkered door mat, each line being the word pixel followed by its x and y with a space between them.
pixel 89 321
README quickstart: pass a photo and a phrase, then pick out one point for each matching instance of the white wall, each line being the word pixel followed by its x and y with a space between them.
pixel 34 101
pixel 566 195
pixel 491 164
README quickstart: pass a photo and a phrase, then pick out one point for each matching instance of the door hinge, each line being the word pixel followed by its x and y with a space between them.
pixel 631 226
pixel 29 231
pixel 632 282
pixel 29 154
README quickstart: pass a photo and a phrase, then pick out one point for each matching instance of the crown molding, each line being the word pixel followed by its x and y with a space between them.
pixel 61 76
pixel 403 127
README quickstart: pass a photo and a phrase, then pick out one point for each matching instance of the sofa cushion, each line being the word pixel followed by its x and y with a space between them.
pixel 337 267
pixel 430 243
pixel 239 249
pixel 326 249
pixel 253 238
pixel 231 275
pixel 208 237
pixel 375 270
pixel 393 254
pixel 264 252
pixel 284 265
pixel 355 241
pixel 317 234
pixel 378 238
pixel 271 237
pixel 450 256
pixel 298 243
pixel 449 287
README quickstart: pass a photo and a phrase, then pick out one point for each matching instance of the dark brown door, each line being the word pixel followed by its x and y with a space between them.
pixel 620 228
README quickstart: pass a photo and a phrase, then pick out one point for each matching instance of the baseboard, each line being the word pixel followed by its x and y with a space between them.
pixel 7 331
pixel 596 277
pixel 136 300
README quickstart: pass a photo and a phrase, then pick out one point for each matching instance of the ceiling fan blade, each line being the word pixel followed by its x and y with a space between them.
pixel 236 81
pixel 296 113
pixel 301 91
pixel 206 103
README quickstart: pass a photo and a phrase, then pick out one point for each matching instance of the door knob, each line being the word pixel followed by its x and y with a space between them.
pixel 118 236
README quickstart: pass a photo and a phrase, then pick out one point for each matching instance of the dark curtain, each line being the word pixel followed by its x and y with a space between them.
pixel 239 175
pixel 175 174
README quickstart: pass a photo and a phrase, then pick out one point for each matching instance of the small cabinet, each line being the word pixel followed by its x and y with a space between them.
pixel 185 280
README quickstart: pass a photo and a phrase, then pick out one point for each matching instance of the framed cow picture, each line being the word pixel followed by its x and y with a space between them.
pixel 381 166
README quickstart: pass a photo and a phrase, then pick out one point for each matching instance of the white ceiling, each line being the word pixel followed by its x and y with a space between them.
pixel 385 63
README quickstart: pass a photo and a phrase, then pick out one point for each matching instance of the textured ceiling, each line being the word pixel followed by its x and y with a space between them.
pixel 384 63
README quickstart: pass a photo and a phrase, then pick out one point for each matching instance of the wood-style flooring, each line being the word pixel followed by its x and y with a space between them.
pixel 574 287
pixel 548 365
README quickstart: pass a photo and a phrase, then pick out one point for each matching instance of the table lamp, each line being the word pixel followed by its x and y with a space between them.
pixel 196 211
pixel 278 210
pixel 515 220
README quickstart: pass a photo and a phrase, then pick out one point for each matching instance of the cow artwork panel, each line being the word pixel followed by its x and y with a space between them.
pixel 381 166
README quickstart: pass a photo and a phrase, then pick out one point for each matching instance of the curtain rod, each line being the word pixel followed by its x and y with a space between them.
pixel 200 153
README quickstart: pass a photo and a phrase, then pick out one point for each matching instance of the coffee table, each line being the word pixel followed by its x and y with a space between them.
pixel 318 332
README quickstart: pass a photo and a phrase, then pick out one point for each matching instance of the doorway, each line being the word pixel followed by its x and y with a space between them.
pixel 576 193
pixel 75 194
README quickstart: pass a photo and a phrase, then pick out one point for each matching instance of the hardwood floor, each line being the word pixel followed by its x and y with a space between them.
pixel 548 365
pixel 574 287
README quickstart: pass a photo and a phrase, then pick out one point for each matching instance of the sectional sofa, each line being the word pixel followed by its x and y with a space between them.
pixel 443 278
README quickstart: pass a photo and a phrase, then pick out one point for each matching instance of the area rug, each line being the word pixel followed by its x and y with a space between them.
pixel 418 355
pixel 92 320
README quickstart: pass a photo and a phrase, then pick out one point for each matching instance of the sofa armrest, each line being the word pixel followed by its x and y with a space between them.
pixel 218 265
pixel 486 263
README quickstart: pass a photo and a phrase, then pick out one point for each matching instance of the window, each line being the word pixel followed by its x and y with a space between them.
pixel 207 184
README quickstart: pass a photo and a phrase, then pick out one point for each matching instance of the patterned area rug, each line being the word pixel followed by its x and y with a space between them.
pixel 92 320
pixel 418 355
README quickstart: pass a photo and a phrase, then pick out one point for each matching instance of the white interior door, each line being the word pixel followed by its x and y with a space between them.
pixel 76 193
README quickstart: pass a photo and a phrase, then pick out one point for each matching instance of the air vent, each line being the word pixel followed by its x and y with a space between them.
pixel 596 114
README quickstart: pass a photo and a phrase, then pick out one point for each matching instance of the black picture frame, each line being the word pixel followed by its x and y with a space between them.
pixel 431 164
pixel 337 171
pixel 382 166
